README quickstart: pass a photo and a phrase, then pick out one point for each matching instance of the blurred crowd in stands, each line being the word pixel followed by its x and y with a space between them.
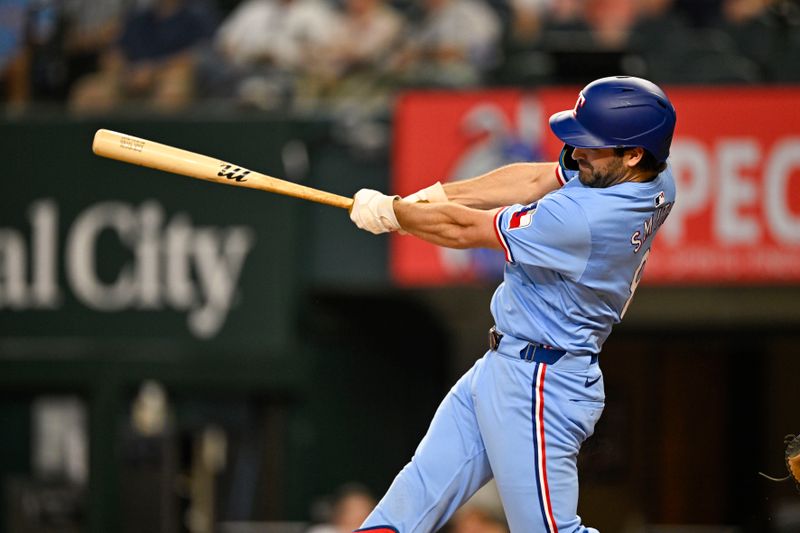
pixel 92 56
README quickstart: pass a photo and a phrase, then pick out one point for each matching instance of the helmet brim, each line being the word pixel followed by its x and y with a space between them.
pixel 567 128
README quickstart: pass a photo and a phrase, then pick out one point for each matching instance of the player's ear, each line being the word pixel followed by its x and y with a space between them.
pixel 632 156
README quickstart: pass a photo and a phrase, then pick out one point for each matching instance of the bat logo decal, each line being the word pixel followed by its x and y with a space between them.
pixel 232 172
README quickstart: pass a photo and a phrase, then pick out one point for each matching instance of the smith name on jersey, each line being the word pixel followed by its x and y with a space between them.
pixel 574 259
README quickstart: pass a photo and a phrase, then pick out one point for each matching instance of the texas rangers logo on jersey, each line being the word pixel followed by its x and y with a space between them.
pixel 522 218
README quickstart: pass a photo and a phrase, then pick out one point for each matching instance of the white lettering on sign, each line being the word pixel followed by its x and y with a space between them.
pixel 44 220
pixel 743 185
pixel 692 171
pixel 172 265
pixel 80 257
pixel 43 291
pixel 785 159
pixel 735 192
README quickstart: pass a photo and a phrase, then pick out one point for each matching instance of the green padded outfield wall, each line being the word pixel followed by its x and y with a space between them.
pixel 112 273
pixel 96 248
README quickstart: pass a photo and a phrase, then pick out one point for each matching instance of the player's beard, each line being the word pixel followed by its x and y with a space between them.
pixel 611 175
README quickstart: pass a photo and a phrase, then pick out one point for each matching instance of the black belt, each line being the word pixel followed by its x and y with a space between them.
pixel 533 351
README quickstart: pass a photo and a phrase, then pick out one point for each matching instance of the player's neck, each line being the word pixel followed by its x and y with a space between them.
pixel 643 177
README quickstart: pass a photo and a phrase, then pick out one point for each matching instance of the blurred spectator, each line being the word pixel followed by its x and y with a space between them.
pixel 369 30
pixel 482 513
pixel 45 32
pixel 531 16
pixel 285 33
pixel 454 44
pixel 14 55
pixel 473 519
pixel 152 62
pixel 263 45
pixel 687 53
pixel 537 28
pixel 766 32
pixel 749 27
pixel 91 28
pixel 741 11
pixel 659 16
pixel 580 40
pixel 660 36
pixel 351 71
pixel 566 13
pixel 526 21
pixel 611 22
pixel 62 39
pixel 676 50
pixel 351 505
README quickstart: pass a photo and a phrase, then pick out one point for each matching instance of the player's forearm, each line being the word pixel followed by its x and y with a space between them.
pixel 517 183
pixel 447 224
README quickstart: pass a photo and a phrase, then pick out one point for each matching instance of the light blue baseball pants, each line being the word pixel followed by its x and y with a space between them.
pixel 521 422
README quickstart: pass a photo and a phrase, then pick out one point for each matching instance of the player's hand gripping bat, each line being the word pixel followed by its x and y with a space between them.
pixel 151 154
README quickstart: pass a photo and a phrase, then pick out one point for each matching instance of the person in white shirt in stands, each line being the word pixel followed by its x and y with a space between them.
pixel 351 74
pixel 456 42
pixel 265 44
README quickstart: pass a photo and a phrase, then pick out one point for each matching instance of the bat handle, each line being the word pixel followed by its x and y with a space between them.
pixel 333 200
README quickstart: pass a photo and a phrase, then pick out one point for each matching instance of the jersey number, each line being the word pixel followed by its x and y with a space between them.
pixel 637 277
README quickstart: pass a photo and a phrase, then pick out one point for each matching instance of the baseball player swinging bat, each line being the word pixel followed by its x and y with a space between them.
pixel 130 149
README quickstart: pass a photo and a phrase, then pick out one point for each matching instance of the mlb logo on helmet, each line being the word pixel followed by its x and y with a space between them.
pixel 522 218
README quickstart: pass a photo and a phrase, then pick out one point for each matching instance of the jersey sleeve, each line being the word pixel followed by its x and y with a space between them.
pixel 552 233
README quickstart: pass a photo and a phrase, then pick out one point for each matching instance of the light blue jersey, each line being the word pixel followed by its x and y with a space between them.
pixel 520 416
pixel 575 259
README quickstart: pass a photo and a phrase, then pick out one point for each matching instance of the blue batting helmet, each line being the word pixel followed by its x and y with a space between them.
pixel 619 112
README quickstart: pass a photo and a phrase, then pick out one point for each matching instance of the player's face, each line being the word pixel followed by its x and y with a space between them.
pixel 599 167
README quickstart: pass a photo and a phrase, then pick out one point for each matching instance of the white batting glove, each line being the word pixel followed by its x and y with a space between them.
pixel 433 193
pixel 374 212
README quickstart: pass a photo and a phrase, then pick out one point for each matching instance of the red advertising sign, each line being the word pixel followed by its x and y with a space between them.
pixel 736 158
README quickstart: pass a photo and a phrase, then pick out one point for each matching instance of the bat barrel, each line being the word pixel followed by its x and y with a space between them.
pixel 137 151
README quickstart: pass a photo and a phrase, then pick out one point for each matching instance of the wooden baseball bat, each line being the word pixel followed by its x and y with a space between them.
pixel 130 149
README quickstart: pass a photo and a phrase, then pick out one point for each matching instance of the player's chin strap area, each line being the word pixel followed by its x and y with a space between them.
pixel 565 159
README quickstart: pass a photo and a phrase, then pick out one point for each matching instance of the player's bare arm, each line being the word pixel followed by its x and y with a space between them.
pixel 445 224
pixel 448 224
pixel 517 183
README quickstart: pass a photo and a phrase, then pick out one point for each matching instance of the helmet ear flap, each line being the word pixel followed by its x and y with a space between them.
pixel 565 159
